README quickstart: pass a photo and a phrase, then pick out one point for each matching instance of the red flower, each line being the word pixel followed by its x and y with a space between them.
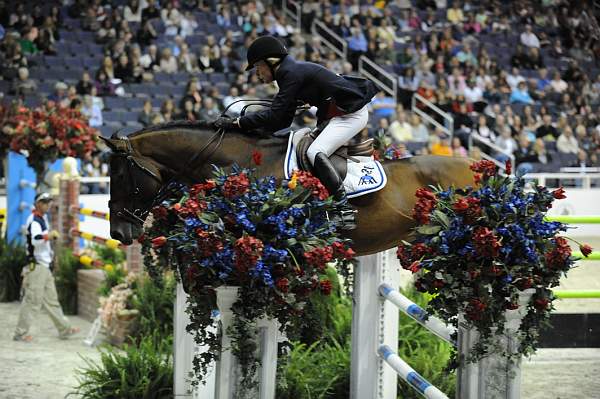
pixel 236 185
pixel 559 193
pixel 487 168
pixel 477 178
pixel 425 194
pixel 160 212
pixel 283 285
pixel 512 305
pixel 508 167
pixel 318 257
pixel 257 157
pixel 403 254
pixel 461 205
pixel 202 187
pixel 419 250
pixel 208 243
pixel 326 287
pixel 486 243
pixel 158 242
pixel 557 257
pixel 340 251
pixel 247 251
pixel 414 267
pixel 310 182
pixel 475 309
pixel 585 250
pixel 541 303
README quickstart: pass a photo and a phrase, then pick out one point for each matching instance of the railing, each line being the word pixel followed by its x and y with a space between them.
pixel 474 137
pixel 293 10
pixel 580 169
pixel 332 40
pixel 378 75
pixel 447 127
pixel 585 178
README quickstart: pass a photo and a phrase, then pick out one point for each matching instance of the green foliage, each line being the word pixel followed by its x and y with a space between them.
pixel 138 372
pixel 13 258
pixel 65 275
pixel 154 302
pixel 110 256
pixel 115 274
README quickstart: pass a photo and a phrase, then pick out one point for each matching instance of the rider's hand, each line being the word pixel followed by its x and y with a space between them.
pixel 224 122
pixel 53 235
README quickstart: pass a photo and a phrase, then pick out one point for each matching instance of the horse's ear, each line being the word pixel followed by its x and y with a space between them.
pixel 109 143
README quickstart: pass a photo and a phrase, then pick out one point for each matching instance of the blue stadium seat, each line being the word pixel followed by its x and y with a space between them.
pixel 115 103
pixel 216 77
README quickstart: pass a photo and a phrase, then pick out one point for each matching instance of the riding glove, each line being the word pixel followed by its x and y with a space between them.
pixel 224 122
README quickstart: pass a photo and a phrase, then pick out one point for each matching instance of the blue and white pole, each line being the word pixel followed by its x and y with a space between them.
pixel 409 375
pixel 417 313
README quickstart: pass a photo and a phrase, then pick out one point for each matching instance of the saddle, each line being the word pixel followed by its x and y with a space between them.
pixel 339 159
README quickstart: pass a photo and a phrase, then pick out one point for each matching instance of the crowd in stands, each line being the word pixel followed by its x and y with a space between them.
pixel 523 76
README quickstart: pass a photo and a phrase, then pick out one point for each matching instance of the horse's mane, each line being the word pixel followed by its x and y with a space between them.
pixel 185 124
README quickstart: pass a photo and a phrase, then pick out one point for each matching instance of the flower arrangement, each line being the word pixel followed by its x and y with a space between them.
pixel 273 241
pixel 117 307
pixel 385 150
pixel 46 134
pixel 476 249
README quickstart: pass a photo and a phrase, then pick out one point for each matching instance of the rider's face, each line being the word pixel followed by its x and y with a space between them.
pixel 264 72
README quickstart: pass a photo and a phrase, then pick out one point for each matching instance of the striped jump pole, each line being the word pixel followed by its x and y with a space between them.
pixel 592 256
pixel 432 323
pixel 574 219
pixel 90 212
pixel 89 261
pixel 109 242
pixel 409 375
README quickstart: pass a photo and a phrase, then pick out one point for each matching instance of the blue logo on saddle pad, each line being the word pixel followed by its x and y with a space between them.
pixel 367 177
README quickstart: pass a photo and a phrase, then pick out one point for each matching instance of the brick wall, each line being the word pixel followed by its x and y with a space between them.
pixel 88 282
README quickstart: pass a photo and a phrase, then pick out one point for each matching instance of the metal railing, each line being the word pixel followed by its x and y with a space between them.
pixel 293 10
pixel 475 138
pixel 586 179
pixel 332 40
pixel 378 75
pixel 447 127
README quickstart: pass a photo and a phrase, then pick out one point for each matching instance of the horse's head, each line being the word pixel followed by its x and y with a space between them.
pixel 134 184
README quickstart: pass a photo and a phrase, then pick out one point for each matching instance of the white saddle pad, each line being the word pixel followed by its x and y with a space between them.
pixel 363 177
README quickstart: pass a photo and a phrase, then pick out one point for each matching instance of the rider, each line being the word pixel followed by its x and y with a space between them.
pixel 341 100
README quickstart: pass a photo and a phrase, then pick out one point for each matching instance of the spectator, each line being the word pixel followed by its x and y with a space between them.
pixel 188 25
pixel 521 95
pixel 91 111
pixel 408 85
pixel 96 168
pixel 474 95
pixel 60 93
pixel 133 11
pixel 400 130
pixel 188 113
pixel 524 156
pixel 440 144
pixel 124 70
pixel 557 84
pixel 547 130
pixel 106 68
pixel 528 38
pixel 150 61
pixel 84 86
pixel 48 35
pixel 382 105
pixel 566 142
pixel 209 110
pixel 28 39
pixel 206 62
pixel 519 58
pixel 418 130
pixel 542 83
pixel 146 34
pixel 584 140
pixel 457 149
pixel 145 115
pixel 171 18
pixel 104 87
pixel 484 130
pixel 457 81
pixel 455 15
pixel 357 44
pixel 506 143
pixel 231 98
pixel 24 85
pixel 534 59
pixel 150 12
pixel 167 110
pixel 514 79
pixel 168 63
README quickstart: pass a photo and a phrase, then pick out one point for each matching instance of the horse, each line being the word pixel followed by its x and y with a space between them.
pixel 142 164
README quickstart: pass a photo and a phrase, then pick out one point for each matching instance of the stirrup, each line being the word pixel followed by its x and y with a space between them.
pixel 345 218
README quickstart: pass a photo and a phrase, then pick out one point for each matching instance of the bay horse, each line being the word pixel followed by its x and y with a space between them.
pixel 142 163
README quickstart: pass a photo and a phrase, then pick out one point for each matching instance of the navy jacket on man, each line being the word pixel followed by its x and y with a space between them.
pixel 312 84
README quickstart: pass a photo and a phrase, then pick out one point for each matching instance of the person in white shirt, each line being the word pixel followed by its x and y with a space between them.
pixel 472 92
pixel 514 78
pixel 529 39
pixel 557 84
pixel 38 281
pixel 567 142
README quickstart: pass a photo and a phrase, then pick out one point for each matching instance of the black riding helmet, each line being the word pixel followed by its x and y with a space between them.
pixel 265 47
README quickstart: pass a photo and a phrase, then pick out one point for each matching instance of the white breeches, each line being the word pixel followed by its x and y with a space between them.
pixel 338 132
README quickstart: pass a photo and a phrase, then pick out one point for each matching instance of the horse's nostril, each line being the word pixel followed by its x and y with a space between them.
pixel 115 234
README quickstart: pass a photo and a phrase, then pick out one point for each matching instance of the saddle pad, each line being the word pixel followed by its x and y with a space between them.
pixel 363 177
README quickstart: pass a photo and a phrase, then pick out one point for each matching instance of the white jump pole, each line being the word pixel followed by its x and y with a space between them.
pixel 409 375
pixel 374 322
pixel 432 323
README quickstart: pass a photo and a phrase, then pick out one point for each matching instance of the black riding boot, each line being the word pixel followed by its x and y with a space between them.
pixel 326 172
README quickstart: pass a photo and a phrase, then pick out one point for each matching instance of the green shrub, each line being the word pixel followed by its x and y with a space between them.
pixel 65 275
pixel 138 372
pixel 155 306
pixel 112 256
pixel 13 258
